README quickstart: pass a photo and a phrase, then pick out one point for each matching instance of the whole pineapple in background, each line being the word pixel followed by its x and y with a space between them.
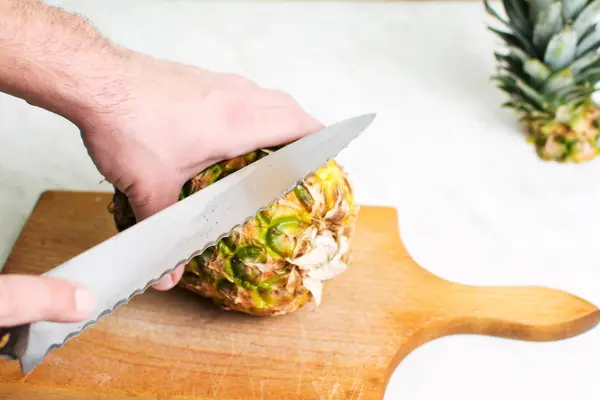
pixel 550 71
pixel 278 260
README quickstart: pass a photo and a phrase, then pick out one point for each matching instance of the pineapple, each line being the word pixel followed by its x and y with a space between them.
pixel 550 71
pixel 278 260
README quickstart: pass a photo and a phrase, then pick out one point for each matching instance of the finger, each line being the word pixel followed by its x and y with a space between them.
pixel 28 298
pixel 148 198
pixel 169 281
pixel 279 105
pixel 234 81
pixel 266 97
pixel 273 126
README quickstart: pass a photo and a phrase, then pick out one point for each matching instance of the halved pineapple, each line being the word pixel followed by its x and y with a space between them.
pixel 278 260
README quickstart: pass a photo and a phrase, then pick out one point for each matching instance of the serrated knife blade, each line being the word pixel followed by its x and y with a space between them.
pixel 128 263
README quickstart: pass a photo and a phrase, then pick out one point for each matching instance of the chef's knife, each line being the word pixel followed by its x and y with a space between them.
pixel 128 263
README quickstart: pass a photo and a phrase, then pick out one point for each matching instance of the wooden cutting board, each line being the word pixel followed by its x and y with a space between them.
pixel 175 345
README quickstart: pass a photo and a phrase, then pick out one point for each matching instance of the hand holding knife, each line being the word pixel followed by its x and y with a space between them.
pixel 128 263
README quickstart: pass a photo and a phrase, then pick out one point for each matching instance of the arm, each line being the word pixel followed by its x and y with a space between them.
pixel 56 60
pixel 148 125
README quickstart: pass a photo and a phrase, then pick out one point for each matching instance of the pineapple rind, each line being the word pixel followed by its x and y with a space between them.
pixel 551 69
pixel 279 260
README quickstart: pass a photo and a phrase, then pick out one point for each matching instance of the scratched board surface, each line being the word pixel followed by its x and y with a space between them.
pixel 175 345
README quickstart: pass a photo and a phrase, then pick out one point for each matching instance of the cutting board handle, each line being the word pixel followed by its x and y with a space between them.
pixel 524 313
pixel 527 313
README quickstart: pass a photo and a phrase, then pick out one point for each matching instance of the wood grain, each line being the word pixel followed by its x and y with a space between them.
pixel 174 345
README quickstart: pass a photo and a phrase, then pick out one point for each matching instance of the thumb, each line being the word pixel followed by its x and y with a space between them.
pixel 29 298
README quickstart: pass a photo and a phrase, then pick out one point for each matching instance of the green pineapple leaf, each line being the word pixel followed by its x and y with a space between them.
pixel 559 80
pixel 518 53
pixel 548 23
pixel 561 49
pixel 514 41
pixel 536 6
pixel 587 18
pixel 536 70
pixel 514 23
pixel 571 8
pixel 517 38
pixel 589 43
pixel 588 76
pixel 517 15
pixel 590 61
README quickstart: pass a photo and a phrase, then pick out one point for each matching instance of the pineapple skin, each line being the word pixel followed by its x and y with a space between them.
pixel 278 260
pixel 550 72
pixel 574 140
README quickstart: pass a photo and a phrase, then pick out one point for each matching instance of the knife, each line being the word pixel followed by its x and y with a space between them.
pixel 126 264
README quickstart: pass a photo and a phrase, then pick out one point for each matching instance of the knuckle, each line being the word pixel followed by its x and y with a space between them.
pixel 283 98
pixel 240 120
pixel 235 119
pixel 140 199
pixel 235 81
pixel 237 114
pixel 140 204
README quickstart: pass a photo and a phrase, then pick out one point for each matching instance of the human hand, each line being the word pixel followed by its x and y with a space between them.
pixel 29 298
pixel 148 125
pixel 166 122
pixel 169 122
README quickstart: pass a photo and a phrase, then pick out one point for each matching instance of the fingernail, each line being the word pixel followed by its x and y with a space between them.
pixel 84 300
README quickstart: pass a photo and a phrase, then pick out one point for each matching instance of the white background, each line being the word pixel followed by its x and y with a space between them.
pixel 475 203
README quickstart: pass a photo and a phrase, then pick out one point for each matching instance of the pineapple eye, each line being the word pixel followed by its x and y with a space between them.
pixel 263 217
pixel 267 284
pixel 243 271
pixel 208 255
pixel 210 175
pixel 227 288
pixel 252 274
pixel 195 265
pixel 252 254
pixel 304 197
pixel 240 162
pixel 240 263
pixel 224 248
pixel 282 234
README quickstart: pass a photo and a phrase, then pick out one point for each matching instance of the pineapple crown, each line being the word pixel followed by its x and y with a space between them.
pixel 552 60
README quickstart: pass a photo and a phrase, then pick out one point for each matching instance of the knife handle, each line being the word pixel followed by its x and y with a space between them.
pixel 13 341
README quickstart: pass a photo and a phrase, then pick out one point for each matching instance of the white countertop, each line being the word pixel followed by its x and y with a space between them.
pixel 476 205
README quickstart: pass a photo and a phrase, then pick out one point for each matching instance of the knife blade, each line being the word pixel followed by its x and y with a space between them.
pixel 129 262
